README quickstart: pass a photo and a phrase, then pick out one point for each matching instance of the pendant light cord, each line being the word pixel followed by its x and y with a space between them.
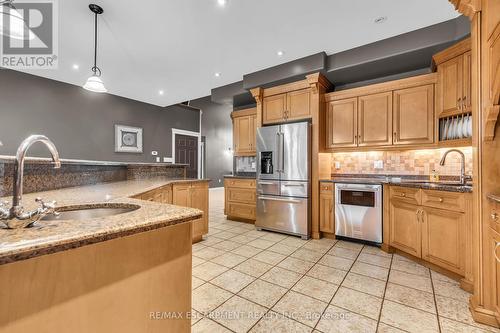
pixel 95 69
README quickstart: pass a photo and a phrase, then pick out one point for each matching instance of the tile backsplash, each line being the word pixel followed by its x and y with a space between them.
pixel 412 162
pixel 245 164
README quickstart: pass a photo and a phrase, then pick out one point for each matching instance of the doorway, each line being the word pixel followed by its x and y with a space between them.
pixel 186 151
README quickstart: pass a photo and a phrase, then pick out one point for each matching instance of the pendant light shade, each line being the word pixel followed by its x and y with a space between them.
pixel 12 23
pixel 94 83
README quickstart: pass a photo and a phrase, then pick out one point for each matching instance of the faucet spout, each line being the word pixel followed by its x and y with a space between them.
pixel 462 163
pixel 19 164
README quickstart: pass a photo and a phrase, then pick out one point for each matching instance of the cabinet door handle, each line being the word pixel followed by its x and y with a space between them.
pixel 459 103
pixel 494 216
pixel 441 200
pixel 394 139
pixel 495 251
pixel 403 195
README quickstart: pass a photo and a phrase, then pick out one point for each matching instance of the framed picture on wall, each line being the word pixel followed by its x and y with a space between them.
pixel 128 139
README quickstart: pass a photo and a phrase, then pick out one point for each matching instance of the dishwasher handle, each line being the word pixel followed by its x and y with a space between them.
pixel 279 199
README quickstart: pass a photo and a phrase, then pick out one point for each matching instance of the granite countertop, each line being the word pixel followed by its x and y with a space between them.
pixel 54 236
pixel 413 182
pixel 47 161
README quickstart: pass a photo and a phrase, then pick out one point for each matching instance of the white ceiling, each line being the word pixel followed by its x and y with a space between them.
pixel 178 45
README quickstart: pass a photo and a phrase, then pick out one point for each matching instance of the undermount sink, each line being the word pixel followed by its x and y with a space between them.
pixel 90 212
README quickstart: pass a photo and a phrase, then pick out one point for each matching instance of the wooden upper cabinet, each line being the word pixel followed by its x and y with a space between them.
pixel 298 105
pixel 273 108
pixel 244 128
pixel 375 120
pixel 414 115
pixel 284 107
pixel 451 77
pixel 342 123
pixel 406 231
pixel 443 238
pixel 467 81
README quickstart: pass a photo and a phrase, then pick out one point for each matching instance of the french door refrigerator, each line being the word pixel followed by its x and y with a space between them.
pixel 283 178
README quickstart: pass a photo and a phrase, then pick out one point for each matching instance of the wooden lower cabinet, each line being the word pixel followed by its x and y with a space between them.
pixel 326 208
pixel 443 241
pixel 432 225
pixel 406 231
pixel 186 194
pixel 240 199
pixel 495 241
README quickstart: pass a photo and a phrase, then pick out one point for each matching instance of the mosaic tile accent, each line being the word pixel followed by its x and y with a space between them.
pixel 413 162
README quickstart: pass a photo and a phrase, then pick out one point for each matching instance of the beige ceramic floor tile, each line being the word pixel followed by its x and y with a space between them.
pixel 358 302
pixel 261 243
pixel 238 314
pixel 374 259
pixel 195 316
pixel 208 326
pixel 337 320
pixel 296 265
pixel 254 233
pixel 410 280
pixel 408 319
pixel 282 249
pixel 225 235
pixel 308 255
pixel 242 239
pixel 196 282
pixel 274 237
pixel 336 262
pixel 440 277
pixel 410 267
pixel 272 258
pixel 365 284
pixel 207 271
pixel 450 290
pixel 209 253
pixel 281 277
pixel 253 267
pixel 384 328
pixel 316 288
pixel 343 252
pixel 226 245
pixel 349 245
pixel 370 271
pixel 293 241
pixel 232 280
pixel 410 297
pixel 276 323
pixel 317 246
pixel 208 297
pixel 455 310
pixel 263 293
pixel 246 251
pixel 304 309
pixel 197 261
pixel 326 273
pixel 375 250
pixel 211 241
pixel 229 259
pixel 451 326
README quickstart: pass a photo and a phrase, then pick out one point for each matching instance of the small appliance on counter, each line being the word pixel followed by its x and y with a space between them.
pixel 283 178
pixel 358 212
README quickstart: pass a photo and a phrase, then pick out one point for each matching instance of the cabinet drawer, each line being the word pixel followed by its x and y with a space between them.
pixel 326 188
pixel 239 182
pixel 245 211
pixel 406 194
pixel 444 200
pixel 242 195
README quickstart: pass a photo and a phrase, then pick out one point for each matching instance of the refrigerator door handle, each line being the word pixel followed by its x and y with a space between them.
pixel 281 200
pixel 278 141
pixel 282 154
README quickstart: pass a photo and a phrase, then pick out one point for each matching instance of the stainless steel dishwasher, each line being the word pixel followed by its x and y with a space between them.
pixel 358 212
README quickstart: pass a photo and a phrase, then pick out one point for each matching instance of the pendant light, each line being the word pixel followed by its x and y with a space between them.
pixel 94 83
pixel 12 23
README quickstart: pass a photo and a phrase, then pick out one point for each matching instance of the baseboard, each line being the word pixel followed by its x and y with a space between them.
pixel 482 315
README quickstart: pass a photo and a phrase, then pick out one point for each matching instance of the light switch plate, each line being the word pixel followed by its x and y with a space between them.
pixel 158 159
pixel 378 164
pixel 337 165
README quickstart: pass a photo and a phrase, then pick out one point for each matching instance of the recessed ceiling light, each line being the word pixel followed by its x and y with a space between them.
pixel 76 67
pixel 222 3
pixel 217 74
pixel 380 19
pixel 280 53
pixel 161 92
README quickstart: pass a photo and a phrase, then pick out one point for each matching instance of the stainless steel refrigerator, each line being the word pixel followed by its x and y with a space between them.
pixel 283 178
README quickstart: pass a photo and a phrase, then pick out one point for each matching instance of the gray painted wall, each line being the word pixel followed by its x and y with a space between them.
pixel 81 123
pixel 217 127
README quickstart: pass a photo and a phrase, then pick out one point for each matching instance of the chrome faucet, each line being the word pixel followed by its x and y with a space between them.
pixel 462 163
pixel 16 217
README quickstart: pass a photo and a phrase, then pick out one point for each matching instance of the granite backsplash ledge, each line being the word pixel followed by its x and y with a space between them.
pixel 39 177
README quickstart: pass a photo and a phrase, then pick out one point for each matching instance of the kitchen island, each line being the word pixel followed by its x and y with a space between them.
pixel 123 273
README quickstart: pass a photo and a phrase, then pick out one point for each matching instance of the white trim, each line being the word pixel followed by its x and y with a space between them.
pixel 189 133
